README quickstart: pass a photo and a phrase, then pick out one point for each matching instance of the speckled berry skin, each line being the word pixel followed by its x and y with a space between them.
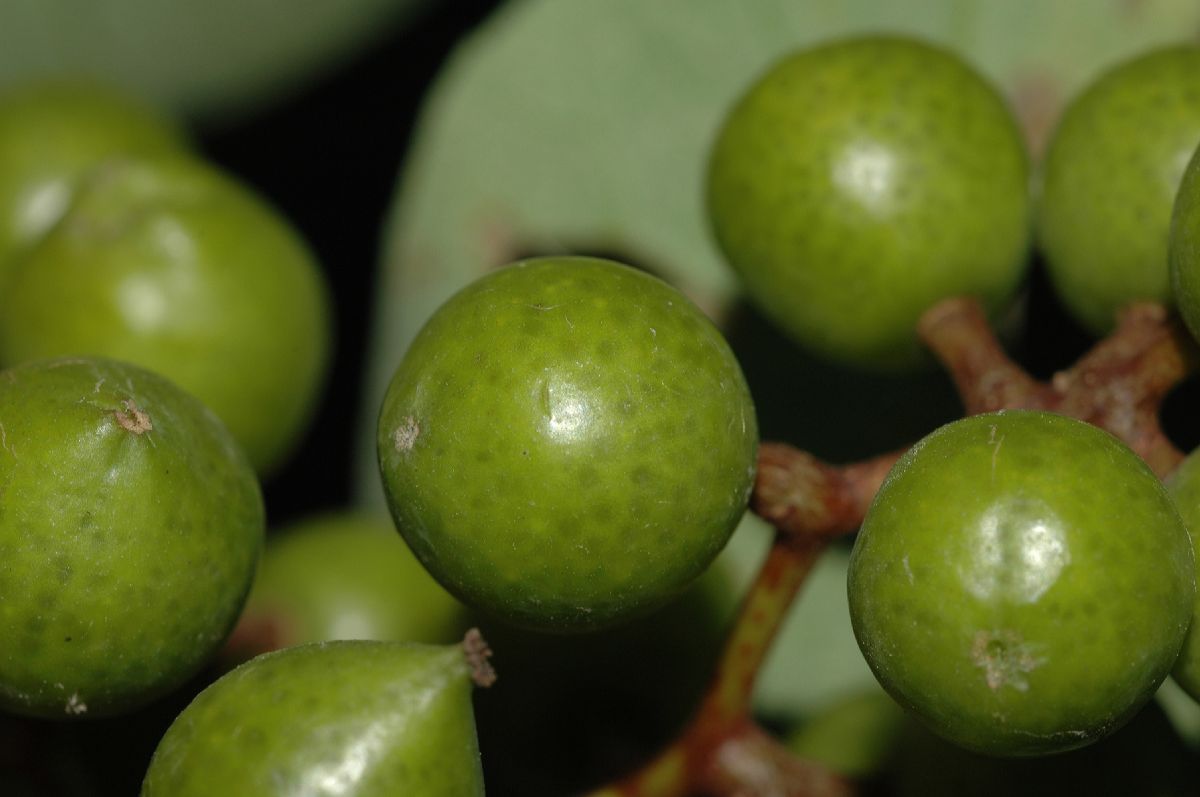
pixel 858 182
pixel 568 443
pixel 130 526
pixel 361 718
pixel 1184 247
pixel 1184 486
pixel 1022 583
pixel 1108 182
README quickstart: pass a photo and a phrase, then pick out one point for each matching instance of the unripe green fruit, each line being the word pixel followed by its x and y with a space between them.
pixel 361 718
pixel 1184 486
pixel 342 576
pixel 1109 179
pixel 858 182
pixel 1184 242
pixel 130 525
pixel 173 265
pixel 1022 583
pixel 568 442
pixel 51 134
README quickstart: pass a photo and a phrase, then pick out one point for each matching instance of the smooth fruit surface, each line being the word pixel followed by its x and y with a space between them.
pixel 171 264
pixel 1109 179
pixel 51 134
pixel 858 182
pixel 1184 247
pixel 342 576
pixel 360 718
pixel 567 443
pixel 1184 486
pixel 1022 583
pixel 130 525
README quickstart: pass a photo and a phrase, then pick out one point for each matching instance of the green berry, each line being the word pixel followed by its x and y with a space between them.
pixel 567 443
pixel 359 718
pixel 1184 246
pixel 51 134
pixel 130 525
pixel 1184 486
pixel 1022 582
pixel 342 576
pixel 171 264
pixel 858 182
pixel 1109 179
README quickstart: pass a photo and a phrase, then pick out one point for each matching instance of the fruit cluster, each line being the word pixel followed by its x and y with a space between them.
pixel 569 442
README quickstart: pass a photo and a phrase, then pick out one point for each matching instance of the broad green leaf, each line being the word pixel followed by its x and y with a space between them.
pixel 203 58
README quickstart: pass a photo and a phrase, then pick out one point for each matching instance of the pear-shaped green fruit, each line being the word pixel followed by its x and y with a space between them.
pixel 858 182
pixel 51 133
pixel 1109 179
pixel 360 718
pixel 342 575
pixel 130 525
pixel 171 264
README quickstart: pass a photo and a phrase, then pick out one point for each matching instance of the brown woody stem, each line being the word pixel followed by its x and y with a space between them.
pixel 1119 385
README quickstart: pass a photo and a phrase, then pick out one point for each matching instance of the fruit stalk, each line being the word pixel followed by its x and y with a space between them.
pixel 1119 385
pixel 722 751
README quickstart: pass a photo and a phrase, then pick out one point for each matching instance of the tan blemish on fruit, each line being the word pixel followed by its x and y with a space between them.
pixel 477 652
pixel 76 706
pixel 4 442
pixel 1005 659
pixel 133 418
pixel 405 437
